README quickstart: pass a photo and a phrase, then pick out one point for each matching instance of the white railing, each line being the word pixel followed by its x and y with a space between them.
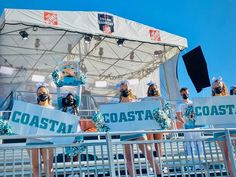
pixel 105 156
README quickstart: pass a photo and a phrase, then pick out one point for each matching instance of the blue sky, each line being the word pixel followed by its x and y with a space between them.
pixel 209 23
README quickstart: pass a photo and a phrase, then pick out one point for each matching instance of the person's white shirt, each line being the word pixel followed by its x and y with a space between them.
pixel 183 106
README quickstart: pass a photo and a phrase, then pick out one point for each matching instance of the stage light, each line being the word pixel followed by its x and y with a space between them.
pixel 6 70
pixel 24 35
pixel 120 42
pixel 101 84
pixel 131 56
pixel 88 38
pixel 69 48
pixel 133 81
pixel 97 38
pixel 157 53
pixel 38 78
pixel 35 28
pixel 37 43
pixel 100 51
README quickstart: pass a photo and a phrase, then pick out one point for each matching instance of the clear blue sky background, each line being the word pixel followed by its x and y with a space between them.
pixel 209 23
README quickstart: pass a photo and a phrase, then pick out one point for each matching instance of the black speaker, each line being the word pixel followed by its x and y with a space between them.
pixel 197 68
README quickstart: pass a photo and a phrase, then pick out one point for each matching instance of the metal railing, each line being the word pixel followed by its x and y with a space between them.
pixel 106 156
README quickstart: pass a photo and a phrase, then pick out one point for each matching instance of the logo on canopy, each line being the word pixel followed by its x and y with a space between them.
pixel 106 24
pixel 50 18
pixel 155 35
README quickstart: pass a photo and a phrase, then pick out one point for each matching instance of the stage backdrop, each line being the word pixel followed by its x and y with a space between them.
pixel 32 119
pixel 218 110
pixel 130 116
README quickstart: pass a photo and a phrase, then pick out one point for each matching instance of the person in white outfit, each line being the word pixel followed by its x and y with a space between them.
pixel 191 147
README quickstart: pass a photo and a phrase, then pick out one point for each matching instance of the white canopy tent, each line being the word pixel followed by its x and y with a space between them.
pixel 92 39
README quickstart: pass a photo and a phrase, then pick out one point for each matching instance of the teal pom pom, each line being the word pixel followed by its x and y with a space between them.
pixel 5 128
pixel 75 150
pixel 189 115
pixel 82 79
pixel 56 78
pixel 98 119
pixel 163 116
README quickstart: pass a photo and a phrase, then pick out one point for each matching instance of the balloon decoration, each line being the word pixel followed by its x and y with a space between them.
pixel 67 74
